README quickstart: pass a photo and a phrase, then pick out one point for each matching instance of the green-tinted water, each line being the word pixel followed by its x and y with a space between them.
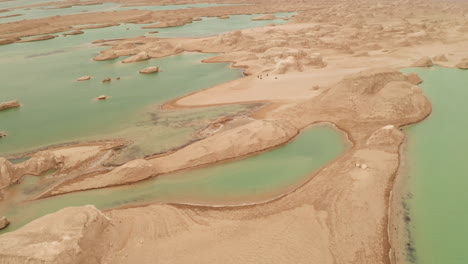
pixel 438 167
pixel 56 109
pixel 19 3
pixel 171 7
pixel 256 178
pixel 213 26
pixel 43 11
pixel 46 11
pixel 216 26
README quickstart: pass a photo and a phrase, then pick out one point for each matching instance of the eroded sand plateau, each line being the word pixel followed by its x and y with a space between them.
pixel 334 62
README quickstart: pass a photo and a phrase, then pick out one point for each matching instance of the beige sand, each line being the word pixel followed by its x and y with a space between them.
pixel 333 62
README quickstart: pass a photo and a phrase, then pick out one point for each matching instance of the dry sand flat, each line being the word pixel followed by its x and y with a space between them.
pixel 326 65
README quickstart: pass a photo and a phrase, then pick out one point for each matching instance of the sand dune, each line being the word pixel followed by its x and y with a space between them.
pixel 334 62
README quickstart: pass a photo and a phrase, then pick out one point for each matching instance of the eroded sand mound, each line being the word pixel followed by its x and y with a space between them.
pixel 3 222
pixel 463 64
pixel 138 57
pixel 370 81
pixel 414 78
pixel 340 215
pixel 423 62
pixel 239 141
pixel 38 164
pixel 440 57
pixel 7 173
pixel 10 104
pixel 106 55
pixel 149 70
pixel 369 105
pixel 84 78
pixel 67 161
pixel 70 235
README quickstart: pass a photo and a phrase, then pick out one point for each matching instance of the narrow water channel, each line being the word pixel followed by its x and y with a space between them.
pixel 57 109
pixel 437 152
pixel 254 179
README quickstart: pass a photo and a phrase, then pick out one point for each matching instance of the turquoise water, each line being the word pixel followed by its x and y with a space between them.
pixel 438 171
pixel 18 3
pixel 212 26
pixel 257 178
pixel 57 109
pixel 42 11
pixel 171 7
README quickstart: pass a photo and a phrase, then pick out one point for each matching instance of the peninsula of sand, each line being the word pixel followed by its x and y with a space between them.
pixel 334 62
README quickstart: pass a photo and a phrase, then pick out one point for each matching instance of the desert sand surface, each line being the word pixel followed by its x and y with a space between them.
pixel 335 62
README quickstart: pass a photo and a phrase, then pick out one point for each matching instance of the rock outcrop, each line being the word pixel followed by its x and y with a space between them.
pixel 149 70
pixel 10 104
pixel 141 56
pixel 38 164
pixel 84 78
pixel 414 78
pixel 374 95
pixel 286 59
pixel 106 55
pixel 463 64
pixel 369 81
pixel 4 222
pixel 440 57
pixel 68 236
pixel 423 62
pixel 8 173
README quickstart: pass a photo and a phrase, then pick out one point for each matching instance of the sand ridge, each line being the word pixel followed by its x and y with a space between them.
pixel 334 62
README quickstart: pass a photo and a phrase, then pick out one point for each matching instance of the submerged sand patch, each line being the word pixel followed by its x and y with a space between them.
pixel 309 72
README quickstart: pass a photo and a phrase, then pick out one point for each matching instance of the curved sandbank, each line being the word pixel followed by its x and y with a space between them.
pixel 373 141
pixel 255 179
pixel 10 104
pixel 341 214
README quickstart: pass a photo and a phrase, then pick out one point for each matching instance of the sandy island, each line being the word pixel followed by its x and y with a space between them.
pixel 334 62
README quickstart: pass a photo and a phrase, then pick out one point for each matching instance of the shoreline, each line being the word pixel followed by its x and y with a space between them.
pixel 277 197
pixel 346 153
pixel 216 162
pixel 346 212
pixel 394 221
